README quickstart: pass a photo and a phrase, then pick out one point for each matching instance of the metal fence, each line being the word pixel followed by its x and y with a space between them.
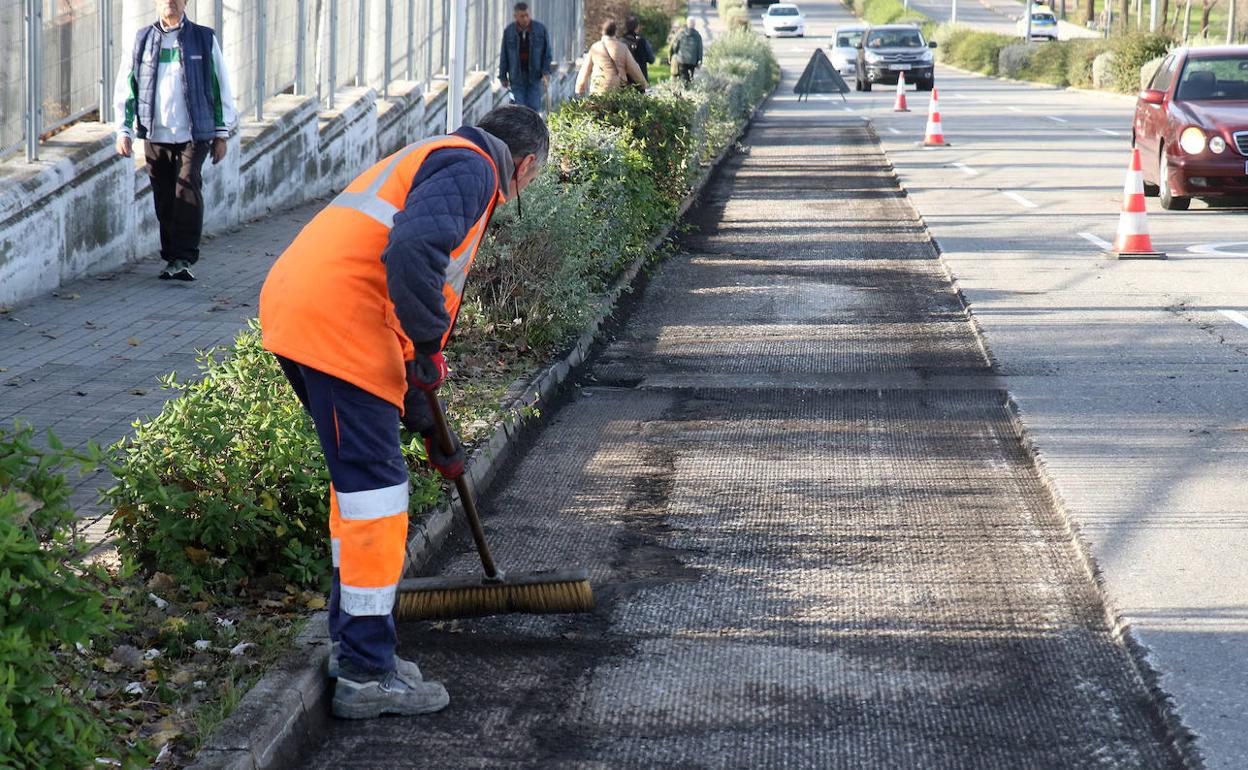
pixel 60 58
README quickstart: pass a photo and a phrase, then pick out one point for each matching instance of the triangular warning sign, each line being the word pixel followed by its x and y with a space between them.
pixel 820 77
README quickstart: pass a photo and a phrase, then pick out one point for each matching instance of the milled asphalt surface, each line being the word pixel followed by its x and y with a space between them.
pixel 814 533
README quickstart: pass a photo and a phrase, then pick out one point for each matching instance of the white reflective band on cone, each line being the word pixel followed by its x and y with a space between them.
pixel 1133 223
pixel 1134 184
pixel 362 602
pixel 373 503
pixel 335 550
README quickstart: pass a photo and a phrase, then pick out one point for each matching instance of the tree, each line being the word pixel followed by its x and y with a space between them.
pixel 1206 7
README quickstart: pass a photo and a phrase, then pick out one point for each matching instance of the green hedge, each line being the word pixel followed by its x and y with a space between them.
pixel 55 607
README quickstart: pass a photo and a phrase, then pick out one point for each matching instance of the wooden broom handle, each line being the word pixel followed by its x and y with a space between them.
pixel 443 437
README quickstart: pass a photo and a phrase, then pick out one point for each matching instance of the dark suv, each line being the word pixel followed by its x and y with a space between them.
pixel 888 50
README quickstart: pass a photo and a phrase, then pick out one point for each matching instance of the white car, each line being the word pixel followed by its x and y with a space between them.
pixel 1043 24
pixel 784 19
pixel 844 49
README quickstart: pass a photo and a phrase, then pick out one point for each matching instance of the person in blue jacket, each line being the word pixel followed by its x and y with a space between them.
pixel 524 62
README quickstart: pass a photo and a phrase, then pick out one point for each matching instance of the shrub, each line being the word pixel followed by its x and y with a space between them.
pixel 748 56
pixel 1080 54
pixel 977 51
pixel 888 12
pixel 1131 52
pixel 228 480
pixel 1103 70
pixel 656 22
pixel 657 125
pixel 1015 58
pixel 53 602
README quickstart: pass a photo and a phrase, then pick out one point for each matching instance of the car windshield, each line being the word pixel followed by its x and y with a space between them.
pixel 848 39
pixel 895 38
pixel 1221 78
pixel 780 10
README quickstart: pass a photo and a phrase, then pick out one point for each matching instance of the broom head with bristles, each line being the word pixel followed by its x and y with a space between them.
pixel 445 598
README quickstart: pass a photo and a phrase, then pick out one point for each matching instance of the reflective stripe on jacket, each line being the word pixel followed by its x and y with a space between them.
pixel 325 303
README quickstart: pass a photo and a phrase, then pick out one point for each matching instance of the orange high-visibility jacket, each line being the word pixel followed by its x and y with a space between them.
pixel 325 303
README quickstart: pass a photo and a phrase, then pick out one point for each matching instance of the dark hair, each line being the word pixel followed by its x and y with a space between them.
pixel 518 7
pixel 609 28
pixel 521 129
pixel 631 24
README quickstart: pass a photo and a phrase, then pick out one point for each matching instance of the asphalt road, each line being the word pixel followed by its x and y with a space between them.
pixel 816 537
pixel 1130 378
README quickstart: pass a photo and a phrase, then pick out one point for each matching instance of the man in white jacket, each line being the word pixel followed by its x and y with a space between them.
pixel 173 91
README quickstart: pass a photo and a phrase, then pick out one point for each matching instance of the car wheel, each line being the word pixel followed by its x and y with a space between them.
pixel 866 85
pixel 1169 202
pixel 928 86
pixel 857 84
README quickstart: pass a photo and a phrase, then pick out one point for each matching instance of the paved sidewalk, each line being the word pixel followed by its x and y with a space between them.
pixel 84 362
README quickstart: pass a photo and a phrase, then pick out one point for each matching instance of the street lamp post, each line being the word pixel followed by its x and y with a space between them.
pixel 953 13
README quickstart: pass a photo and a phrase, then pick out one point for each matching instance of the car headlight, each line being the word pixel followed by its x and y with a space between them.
pixel 874 58
pixel 927 56
pixel 1217 145
pixel 1192 140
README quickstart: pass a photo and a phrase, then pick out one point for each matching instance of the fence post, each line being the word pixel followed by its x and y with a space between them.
pixel 34 81
pixel 106 60
pixel 361 41
pixel 385 70
pixel 428 45
pixel 261 23
pixel 333 52
pixel 411 39
pixel 301 63
pixel 456 64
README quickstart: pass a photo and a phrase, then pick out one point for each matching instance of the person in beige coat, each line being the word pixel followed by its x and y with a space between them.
pixel 609 64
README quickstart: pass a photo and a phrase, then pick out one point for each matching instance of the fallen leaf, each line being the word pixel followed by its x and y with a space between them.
pixel 182 677
pixel 153 677
pixel 160 581
pixel 316 603
pixel 200 606
pixel 162 738
pixel 138 392
pixel 196 555
pixel 133 341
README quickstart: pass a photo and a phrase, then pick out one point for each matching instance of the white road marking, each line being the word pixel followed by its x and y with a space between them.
pixel 1056 119
pixel 1019 199
pixel 1100 243
pixel 965 169
pixel 892 130
pixel 1107 132
pixel 1232 249
pixel 1012 107
pixel 961 96
pixel 1236 316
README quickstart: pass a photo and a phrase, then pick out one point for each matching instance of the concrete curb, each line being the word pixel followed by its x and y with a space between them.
pixel 289 706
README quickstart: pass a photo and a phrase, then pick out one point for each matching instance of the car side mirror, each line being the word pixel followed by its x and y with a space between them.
pixel 931 44
pixel 858 46
pixel 1151 96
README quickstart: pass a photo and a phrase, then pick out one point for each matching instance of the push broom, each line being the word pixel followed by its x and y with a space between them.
pixel 496 593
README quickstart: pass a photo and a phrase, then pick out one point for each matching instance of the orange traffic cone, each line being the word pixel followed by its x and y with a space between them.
pixel 1133 241
pixel 900 104
pixel 935 134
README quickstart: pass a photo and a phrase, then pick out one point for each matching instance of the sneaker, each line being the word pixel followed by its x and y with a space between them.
pixel 167 272
pixel 181 271
pixel 407 670
pixel 368 699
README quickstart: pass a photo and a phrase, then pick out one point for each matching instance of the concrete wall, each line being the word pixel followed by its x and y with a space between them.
pixel 82 209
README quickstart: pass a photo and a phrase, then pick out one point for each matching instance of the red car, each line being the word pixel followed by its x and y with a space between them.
pixel 1191 125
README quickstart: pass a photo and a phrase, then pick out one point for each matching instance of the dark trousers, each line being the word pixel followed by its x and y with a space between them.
pixel 176 171
pixel 686 71
pixel 359 435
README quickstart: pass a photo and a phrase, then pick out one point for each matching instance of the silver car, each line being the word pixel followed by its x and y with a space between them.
pixel 844 51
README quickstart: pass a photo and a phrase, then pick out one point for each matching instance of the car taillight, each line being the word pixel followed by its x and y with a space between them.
pixel 1192 140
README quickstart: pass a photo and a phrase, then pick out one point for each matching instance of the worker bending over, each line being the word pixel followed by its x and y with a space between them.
pixel 358 310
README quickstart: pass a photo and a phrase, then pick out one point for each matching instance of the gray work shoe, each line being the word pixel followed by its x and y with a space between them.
pixel 368 699
pixel 406 669
pixel 178 270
